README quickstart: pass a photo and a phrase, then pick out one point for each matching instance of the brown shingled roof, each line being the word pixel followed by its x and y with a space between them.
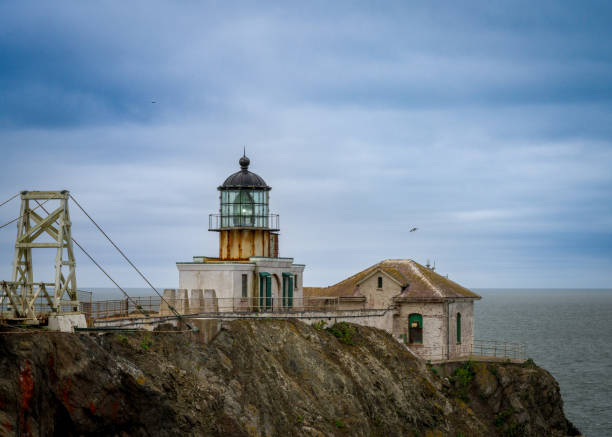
pixel 423 282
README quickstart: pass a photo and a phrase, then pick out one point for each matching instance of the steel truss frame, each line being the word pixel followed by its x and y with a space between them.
pixel 22 291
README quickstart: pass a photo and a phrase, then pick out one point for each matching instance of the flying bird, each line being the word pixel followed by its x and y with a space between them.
pixel 413 229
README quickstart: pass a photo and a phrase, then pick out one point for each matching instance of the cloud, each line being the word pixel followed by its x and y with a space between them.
pixel 485 126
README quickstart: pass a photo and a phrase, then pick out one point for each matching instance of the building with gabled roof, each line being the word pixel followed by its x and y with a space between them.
pixel 433 315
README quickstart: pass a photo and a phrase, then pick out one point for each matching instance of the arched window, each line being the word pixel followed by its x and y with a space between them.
pixel 415 328
pixel 380 282
pixel 458 328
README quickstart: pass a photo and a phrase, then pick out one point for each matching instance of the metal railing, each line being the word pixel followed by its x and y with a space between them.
pixel 42 307
pixel 219 222
pixel 153 305
pixel 478 348
pixel 499 349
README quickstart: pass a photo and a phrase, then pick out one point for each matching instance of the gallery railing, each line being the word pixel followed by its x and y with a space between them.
pixel 499 349
pixel 219 222
pixel 155 306
pixel 479 348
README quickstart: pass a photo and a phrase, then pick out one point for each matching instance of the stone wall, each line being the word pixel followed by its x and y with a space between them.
pixel 379 297
pixel 466 309
pixel 434 328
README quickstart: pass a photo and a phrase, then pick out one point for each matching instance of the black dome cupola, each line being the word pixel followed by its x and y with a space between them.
pixel 244 202
pixel 244 179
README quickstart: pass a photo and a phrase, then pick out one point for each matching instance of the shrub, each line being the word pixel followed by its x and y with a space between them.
pixel 339 424
pixel 343 332
pixel 506 426
pixel 462 378
pixel 146 343
pixel 319 325
pixel 502 417
pixel 528 363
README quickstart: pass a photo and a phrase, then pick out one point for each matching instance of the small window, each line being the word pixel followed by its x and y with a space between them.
pixel 295 282
pixel 458 328
pixel 245 281
pixel 415 328
pixel 380 282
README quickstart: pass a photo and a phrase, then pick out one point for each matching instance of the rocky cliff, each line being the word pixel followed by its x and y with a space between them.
pixel 262 378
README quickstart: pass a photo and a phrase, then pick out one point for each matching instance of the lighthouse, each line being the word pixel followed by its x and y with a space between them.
pixel 248 274
pixel 246 227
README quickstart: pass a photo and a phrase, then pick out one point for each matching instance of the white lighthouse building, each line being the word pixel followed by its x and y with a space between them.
pixel 248 274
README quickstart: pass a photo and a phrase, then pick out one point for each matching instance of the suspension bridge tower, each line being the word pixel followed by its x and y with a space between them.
pixel 30 301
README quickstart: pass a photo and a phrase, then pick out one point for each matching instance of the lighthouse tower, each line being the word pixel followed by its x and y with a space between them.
pixel 248 274
pixel 245 226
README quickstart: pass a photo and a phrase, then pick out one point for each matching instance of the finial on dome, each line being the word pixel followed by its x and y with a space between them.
pixel 244 161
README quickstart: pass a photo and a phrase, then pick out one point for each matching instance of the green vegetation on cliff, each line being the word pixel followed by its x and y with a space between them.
pixel 261 378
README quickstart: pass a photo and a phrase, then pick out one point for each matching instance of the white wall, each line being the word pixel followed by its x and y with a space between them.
pixel 226 278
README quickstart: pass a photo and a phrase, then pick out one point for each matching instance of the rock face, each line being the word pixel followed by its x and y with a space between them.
pixel 515 400
pixel 262 378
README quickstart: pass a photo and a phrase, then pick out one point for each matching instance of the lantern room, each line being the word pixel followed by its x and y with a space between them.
pixel 246 227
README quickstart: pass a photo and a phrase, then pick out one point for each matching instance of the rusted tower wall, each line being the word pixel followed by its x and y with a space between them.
pixel 241 244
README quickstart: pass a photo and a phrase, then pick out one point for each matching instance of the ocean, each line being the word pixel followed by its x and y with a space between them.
pixel 567 332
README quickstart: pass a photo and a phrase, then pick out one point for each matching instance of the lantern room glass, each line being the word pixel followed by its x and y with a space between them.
pixel 244 208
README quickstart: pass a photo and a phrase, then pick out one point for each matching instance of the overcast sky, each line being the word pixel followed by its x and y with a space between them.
pixel 487 125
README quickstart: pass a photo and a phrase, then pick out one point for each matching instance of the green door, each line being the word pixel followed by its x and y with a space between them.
pixel 415 328
pixel 288 290
pixel 265 290
pixel 268 292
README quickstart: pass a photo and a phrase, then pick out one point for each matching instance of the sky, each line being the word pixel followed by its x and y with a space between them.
pixel 486 125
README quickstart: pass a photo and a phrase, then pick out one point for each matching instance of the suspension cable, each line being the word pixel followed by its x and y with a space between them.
pixel 130 262
pixel 21 216
pixel 7 201
pixel 138 307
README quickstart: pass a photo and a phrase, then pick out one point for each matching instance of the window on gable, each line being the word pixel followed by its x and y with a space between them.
pixel 380 282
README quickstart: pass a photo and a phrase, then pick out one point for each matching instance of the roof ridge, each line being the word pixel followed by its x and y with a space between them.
pixel 417 271
pixel 356 274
